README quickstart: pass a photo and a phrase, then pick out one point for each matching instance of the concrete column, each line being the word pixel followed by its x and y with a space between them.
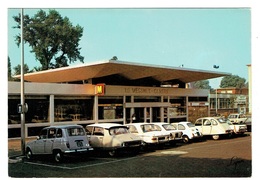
pixel 51 110
pixel 95 109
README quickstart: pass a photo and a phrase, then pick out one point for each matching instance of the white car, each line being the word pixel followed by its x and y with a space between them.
pixel 174 134
pixel 59 141
pixel 189 131
pixel 149 133
pixel 237 128
pixel 113 138
pixel 213 126
pixel 237 118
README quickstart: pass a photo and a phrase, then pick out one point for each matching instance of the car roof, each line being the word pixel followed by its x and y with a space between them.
pixel 63 126
pixel 105 125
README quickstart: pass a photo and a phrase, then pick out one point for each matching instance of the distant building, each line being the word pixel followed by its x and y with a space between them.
pixel 229 100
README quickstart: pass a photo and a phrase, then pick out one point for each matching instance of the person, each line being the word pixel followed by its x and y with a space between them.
pixel 133 118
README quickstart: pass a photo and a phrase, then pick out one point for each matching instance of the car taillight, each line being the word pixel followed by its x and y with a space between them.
pixel 154 138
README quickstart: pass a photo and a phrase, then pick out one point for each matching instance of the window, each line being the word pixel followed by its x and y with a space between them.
pixel 59 133
pixel 214 122
pixel 198 122
pixel 118 130
pixel 206 122
pixel 98 131
pixel 132 129
pixel 76 131
pixel 51 133
pixel 43 134
pixel 181 127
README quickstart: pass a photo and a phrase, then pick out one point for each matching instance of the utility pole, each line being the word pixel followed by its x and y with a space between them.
pixel 22 105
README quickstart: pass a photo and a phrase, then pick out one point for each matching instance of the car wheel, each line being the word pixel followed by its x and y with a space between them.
pixel 29 154
pixel 185 139
pixel 215 137
pixel 112 153
pixel 58 156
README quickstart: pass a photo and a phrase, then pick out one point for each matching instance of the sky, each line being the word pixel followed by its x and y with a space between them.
pixel 196 38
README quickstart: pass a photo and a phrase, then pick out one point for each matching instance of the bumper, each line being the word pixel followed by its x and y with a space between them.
pixel 72 151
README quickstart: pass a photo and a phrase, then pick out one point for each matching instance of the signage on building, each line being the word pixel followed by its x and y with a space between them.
pixel 198 104
pixel 100 89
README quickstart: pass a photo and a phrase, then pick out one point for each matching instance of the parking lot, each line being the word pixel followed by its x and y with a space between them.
pixel 208 158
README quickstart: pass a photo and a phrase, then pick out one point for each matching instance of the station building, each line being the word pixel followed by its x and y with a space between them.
pixel 108 91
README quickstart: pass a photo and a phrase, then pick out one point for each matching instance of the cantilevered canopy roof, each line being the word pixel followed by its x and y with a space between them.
pixel 128 70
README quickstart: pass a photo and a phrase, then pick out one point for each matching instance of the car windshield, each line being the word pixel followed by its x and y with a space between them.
pixel 168 127
pixel 190 125
pixel 150 127
pixel 118 130
pixel 76 131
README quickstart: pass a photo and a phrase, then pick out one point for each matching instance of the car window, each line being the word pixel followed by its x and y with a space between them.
pixel 190 125
pixel 214 122
pixel 150 127
pixel 198 122
pixel 99 131
pixel 89 130
pixel 59 133
pixel 51 133
pixel 76 131
pixel 206 122
pixel 118 130
pixel 43 134
pixel 132 129
pixel 168 127
pixel 181 127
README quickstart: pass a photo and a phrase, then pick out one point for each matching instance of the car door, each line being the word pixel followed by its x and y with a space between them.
pixel 38 147
pixel 206 127
pixel 49 141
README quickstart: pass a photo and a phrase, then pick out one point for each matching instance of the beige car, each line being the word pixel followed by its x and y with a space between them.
pixel 113 138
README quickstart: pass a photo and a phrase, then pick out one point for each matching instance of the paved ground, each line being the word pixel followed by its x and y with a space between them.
pixel 209 158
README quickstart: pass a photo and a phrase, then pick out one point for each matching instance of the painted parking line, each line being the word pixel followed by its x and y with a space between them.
pixel 82 166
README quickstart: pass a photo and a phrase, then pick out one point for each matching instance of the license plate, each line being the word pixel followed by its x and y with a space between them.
pixel 79 143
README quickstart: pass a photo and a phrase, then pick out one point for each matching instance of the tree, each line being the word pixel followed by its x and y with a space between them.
pixel 9 70
pixel 17 69
pixel 233 81
pixel 52 38
pixel 203 84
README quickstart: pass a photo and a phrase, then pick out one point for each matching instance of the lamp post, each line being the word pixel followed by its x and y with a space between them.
pixel 22 91
pixel 216 101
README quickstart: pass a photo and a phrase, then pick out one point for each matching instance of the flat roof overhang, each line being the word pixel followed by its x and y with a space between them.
pixel 129 70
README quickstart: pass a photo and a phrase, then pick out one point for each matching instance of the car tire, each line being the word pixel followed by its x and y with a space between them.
pixel 215 137
pixel 28 154
pixel 58 156
pixel 112 153
pixel 185 139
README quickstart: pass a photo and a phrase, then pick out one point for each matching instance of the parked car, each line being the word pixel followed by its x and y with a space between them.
pixel 189 131
pixel 213 126
pixel 149 133
pixel 113 138
pixel 174 134
pixel 237 128
pixel 59 141
pixel 237 118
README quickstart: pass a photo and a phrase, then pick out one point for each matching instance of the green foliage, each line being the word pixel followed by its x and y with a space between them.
pixel 9 70
pixel 204 84
pixel 233 81
pixel 53 39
